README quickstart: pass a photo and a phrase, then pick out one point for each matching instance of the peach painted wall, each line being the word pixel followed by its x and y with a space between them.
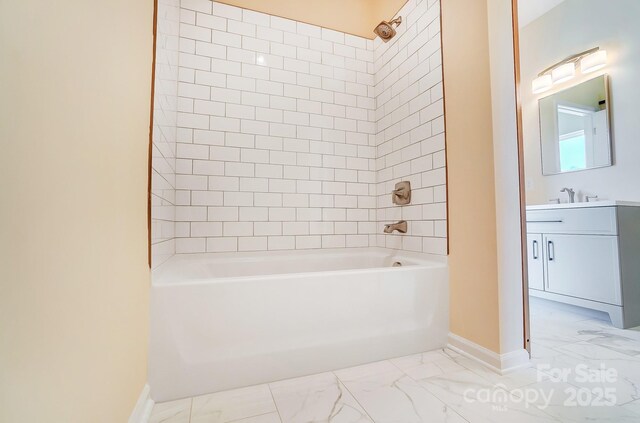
pixel 357 17
pixel 75 79
pixel 470 163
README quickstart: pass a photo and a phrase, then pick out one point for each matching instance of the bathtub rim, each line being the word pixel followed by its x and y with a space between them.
pixel 421 261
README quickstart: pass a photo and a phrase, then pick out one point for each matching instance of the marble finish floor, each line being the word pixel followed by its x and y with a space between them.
pixel 582 369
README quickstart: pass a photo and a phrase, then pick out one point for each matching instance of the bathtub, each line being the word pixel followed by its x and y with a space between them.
pixel 222 321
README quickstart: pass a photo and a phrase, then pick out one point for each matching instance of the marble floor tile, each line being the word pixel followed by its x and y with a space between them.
pixel 633 406
pixel 229 406
pixel 171 412
pixel 428 364
pixel 390 396
pixel 564 402
pixel 479 400
pixel 443 386
pixel 317 398
pixel 263 418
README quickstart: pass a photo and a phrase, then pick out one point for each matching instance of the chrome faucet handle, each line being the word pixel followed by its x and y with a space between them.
pixel 554 200
pixel 571 193
pixel 591 197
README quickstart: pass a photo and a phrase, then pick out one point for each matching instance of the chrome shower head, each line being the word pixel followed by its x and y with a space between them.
pixel 385 30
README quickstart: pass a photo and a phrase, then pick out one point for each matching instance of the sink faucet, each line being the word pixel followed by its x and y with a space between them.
pixel 401 227
pixel 572 194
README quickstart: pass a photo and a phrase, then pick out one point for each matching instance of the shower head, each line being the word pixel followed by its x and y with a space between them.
pixel 385 30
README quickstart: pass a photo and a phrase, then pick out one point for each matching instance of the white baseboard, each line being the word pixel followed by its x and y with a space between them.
pixel 499 363
pixel 144 405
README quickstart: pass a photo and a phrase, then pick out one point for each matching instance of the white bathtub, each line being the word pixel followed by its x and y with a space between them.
pixel 221 321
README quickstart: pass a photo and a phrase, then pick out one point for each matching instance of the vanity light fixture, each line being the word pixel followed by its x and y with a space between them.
pixel 541 84
pixel 594 61
pixel 590 60
pixel 563 73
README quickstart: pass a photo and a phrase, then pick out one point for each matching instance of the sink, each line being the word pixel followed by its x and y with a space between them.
pixel 603 203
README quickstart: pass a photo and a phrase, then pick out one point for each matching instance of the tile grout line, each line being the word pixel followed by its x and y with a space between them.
pixel 274 402
pixel 340 382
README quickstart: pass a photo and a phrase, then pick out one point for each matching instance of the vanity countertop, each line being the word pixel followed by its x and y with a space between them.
pixel 603 203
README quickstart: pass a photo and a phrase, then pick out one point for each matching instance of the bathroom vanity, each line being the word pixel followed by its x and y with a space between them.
pixel 588 255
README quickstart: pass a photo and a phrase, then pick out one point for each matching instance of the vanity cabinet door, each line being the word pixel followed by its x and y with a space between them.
pixel 583 266
pixel 535 252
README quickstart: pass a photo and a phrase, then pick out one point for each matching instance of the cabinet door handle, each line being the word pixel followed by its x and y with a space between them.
pixel 551 250
pixel 546 221
pixel 535 250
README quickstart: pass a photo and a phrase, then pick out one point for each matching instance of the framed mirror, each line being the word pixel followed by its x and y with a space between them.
pixel 574 128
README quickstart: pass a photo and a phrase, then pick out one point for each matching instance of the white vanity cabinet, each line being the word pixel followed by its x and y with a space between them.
pixel 587 255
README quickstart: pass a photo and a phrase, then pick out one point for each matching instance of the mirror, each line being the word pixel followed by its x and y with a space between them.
pixel 574 128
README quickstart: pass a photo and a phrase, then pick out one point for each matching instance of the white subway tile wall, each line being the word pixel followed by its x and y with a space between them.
pixel 291 136
pixel 165 108
pixel 410 139
pixel 276 134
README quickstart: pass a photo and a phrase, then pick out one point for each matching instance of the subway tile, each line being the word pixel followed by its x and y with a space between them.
pixel 281 243
pixel 283 24
pixel 239 140
pixel 298 40
pixel 268 143
pixel 241 28
pixel 225 95
pixel 269 115
pixel 239 169
pixel 238 199
pixel 232 229
pixel 256 18
pixel 253 243
pixel 208 167
pixel 277 120
pixel 206 229
pixel 269 34
pixel 226 67
pixel 270 87
pixel 204 6
pixel 268 199
pixel 256 72
pixel 227 154
pixel 308 242
pixel 224 183
pixel 222 244
pixel 195 32
pixel 295 228
pixel 243 56
pixel 282 185
pixel 269 171
pixel 255 99
pixel 191 213
pixel 212 108
pixel 254 44
pixel 267 228
pixel 240 111
pixel 254 214
pixel 254 156
pixel 222 214
pixel 333 36
pixel 224 124
pixel 309 30
pixel 283 103
pixel 230 12
pixel 210 21
pixel 190 245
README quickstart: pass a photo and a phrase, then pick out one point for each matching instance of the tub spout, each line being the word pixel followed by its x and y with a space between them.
pixel 401 227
